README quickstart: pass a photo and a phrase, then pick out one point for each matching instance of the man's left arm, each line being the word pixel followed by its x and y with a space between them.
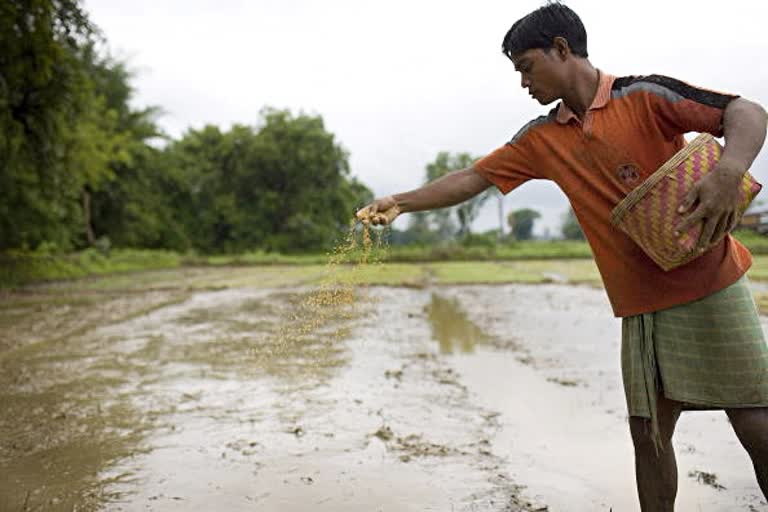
pixel 716 196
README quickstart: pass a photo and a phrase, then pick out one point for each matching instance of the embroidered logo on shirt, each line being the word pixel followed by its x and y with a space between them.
pixel 628 174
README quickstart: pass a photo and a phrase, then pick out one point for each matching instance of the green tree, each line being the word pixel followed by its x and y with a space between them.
pixel 305 182
pixel 418 231
pixel 145 204
pixel 465 212
pixel 282 186
pixel 78 163
pixel 120 197
pixel 570 226
pixel 45 94
pixel 521 223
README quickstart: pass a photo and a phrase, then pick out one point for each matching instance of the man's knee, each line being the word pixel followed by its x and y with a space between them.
pixel 642 432
pixel 751 427
pixel 642 435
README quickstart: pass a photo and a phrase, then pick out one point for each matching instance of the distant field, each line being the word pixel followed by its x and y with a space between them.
pixel 517 262
pixel 573 271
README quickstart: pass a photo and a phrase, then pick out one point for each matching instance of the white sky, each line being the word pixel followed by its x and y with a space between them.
pixel 397 81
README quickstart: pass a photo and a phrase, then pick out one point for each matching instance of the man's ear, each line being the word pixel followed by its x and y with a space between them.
pixel 561 47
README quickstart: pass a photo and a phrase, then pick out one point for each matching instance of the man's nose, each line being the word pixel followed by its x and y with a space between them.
pixel 524 82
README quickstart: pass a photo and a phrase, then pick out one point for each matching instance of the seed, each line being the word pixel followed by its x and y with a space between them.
pixel 337 296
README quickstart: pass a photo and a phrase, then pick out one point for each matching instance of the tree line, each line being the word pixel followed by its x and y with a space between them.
pixel 81 167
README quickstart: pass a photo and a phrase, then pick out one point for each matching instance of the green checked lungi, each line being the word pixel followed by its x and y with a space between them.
pixel 707 354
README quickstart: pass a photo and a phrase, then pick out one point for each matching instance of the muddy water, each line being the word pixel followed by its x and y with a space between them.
pixel 447 398
pixel 562 415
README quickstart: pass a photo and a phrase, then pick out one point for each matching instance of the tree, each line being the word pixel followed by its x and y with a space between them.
pixel 128 199
pixel 467 211
pixel 305 176
pixel 418 231
pixel 570 226
pixel 77 162
pixel 521 223
pixel 284 185
pixel 44 94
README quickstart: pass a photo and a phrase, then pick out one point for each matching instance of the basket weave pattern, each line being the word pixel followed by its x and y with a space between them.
pixel 649 213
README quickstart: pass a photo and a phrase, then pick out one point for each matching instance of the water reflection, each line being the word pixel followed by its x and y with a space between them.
pixel 451 327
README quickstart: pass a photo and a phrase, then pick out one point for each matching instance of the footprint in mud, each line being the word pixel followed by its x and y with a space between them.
pixel 384 433
pixel 394 374
pixel 705 478
pixel 413 445
pixel 571 383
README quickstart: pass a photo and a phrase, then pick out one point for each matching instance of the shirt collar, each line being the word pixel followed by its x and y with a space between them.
pixel 603 95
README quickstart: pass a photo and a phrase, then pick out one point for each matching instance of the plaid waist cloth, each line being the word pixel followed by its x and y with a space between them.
pixel 707 354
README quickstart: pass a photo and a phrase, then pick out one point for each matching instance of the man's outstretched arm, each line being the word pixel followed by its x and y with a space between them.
pixel 448 190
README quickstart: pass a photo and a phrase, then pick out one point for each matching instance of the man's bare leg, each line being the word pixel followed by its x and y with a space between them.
pixel 751 427
pixel 656 474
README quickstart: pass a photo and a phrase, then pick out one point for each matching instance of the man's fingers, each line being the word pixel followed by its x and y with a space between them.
pixel 689 199
pixel 363 214
pixel 381 219
pixel 368 213
pixel 733 221
pixel 721 228
pixel 378 212
pixel 707 230
pixel 689 220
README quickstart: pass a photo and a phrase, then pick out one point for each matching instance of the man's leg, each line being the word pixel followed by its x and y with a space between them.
pixel 751 427
pixel 656 474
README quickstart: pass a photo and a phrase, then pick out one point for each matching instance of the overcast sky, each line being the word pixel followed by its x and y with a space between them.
pixel 397 81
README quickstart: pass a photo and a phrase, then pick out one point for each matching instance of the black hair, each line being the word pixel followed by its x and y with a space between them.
pixel 539 28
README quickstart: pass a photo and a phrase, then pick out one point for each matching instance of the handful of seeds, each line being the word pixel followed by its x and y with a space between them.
pixel 379 218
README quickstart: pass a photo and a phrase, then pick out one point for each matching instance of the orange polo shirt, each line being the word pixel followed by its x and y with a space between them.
pixel 633 126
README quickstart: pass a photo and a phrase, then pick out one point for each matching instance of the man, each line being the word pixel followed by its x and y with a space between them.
pixel 691 337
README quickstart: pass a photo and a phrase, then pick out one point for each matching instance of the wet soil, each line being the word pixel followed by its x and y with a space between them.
pixel 217 391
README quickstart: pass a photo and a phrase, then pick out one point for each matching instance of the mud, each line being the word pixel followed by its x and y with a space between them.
pixel 562 419
pixel 177 391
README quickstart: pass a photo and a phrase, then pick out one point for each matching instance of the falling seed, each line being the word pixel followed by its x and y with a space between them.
pixel 337 295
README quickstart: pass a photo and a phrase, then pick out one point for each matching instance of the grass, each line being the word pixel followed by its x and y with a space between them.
pixel 256 258
pixel 525 261
pixel 573 271
pixel 524 250
pixel 24 267
pixel 391 274
pixel 163 267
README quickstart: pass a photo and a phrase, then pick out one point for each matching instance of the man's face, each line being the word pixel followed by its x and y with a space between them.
pixel 542 73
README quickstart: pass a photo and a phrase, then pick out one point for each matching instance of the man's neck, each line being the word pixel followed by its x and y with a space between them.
pixel 581 93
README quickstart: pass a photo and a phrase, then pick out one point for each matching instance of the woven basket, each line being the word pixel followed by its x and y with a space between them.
pixel 649 213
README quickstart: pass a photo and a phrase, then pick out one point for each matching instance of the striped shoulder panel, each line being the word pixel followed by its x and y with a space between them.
pixel 530 125
pixel 670 89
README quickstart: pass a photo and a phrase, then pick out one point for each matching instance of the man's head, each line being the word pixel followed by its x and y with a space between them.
pixel 543 47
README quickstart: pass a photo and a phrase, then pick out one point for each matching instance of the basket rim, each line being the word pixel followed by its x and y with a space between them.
pixel 626 204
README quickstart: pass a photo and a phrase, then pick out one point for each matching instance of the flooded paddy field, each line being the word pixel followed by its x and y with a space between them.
pixel 218 389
